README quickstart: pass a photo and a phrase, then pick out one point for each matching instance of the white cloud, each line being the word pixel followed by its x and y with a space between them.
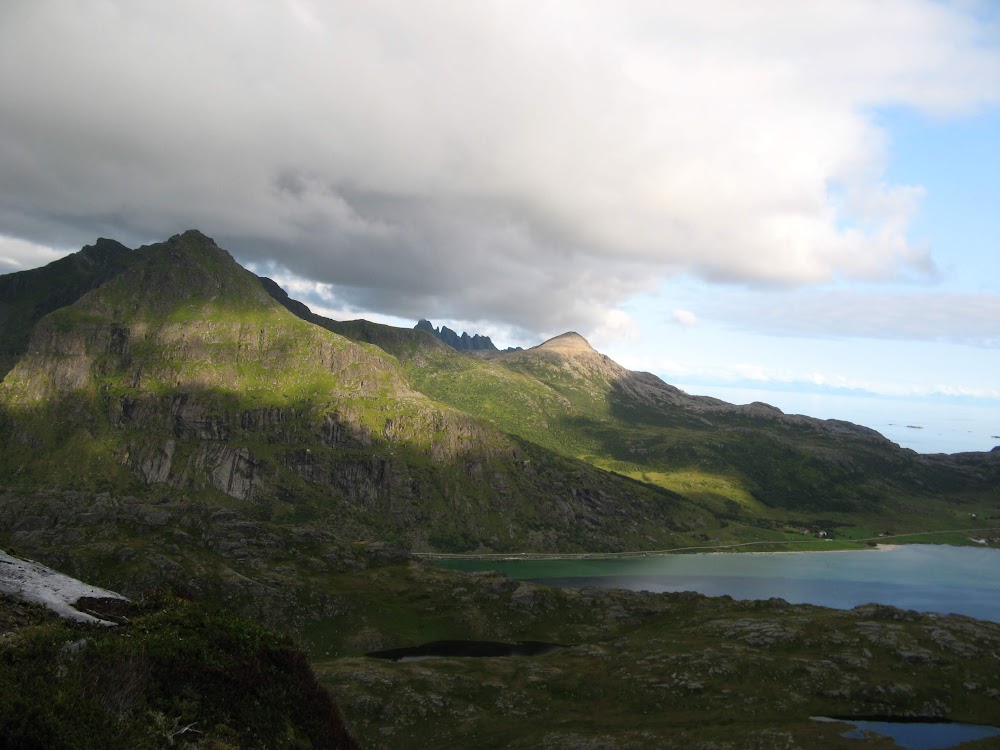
pixel 685 318
pixel 617 327
pixel 971 318
pixel 759 375
pixel 17 254
pixel 532 164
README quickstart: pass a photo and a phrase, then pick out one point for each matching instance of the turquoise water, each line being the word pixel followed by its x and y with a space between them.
pixel 924 577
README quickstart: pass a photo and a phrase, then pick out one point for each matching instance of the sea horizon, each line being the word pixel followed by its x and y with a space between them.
pixel 935 424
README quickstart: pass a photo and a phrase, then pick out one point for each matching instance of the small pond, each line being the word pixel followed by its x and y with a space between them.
pixel 917 735
pixel 447 649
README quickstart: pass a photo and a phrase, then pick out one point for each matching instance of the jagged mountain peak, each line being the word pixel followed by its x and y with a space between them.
pixel 463 342
pixel 570 342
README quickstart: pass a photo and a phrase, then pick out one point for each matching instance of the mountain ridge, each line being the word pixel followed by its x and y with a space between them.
pixel 194 373
pixel 188 427
pixel 464 342
pixel 183 371
pixel 26 296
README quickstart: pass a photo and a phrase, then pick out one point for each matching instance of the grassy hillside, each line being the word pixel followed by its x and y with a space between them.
pixel 757 473
pixel 182 375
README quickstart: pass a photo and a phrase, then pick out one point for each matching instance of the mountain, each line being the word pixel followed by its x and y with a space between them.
pixel 182 373
pixel 27 296
pixel 636 424
pixel 182 370
pixel 757 471
pixel 180 430
pixel 463 342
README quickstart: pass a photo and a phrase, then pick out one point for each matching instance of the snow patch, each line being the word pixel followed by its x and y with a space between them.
pixel 34 582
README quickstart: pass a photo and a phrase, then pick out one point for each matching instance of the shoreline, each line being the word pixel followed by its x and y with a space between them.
pixel 879 546
pixel 876 548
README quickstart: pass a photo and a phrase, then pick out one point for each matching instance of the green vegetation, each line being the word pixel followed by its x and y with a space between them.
pixel 176 425
pixel 641 670
pixel 182 370
pixel 28 296
pixel 173 674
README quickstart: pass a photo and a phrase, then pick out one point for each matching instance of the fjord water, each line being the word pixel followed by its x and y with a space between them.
pixel 924 577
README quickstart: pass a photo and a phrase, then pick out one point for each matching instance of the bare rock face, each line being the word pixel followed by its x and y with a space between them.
pixel 462 343
pixel 568 343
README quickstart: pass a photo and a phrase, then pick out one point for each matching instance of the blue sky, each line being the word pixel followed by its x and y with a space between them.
pixel 956 161
pixel 776 198
pixel 711 340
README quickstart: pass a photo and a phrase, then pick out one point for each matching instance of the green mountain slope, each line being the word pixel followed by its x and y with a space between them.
pixel 750 465
pixel 181 374
pixel 639 425
pixel 27 296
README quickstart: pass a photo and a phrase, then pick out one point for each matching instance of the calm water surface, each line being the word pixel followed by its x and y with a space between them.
pixel 928 578
pixel 917 735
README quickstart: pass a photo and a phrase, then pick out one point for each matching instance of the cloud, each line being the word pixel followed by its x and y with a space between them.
pixel 685 318
pixel 17 254
pixel 531 164
pixel 617 327
pixel 971 319
pixel 794 379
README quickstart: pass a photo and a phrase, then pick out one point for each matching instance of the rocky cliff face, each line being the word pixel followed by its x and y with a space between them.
pixel 191 361
pixel 183 372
